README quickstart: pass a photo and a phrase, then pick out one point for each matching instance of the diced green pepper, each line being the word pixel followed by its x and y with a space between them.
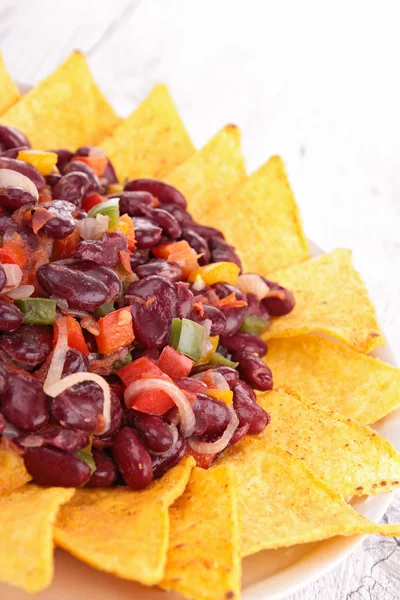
pixel 103 310
pixel 219 359
pixel 110 208
pixel 187 337
pixel 118 364
pixel 37 311
pixel 87 456
pixel 254 324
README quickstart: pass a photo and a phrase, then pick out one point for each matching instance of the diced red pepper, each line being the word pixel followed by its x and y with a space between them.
pixel 138 368
pixel 76 339
pixel 179 252
pixel 63 248
pixel 116 331
pixel 155 402
pixel 91 200
pixel 13 254
pixel 174 364
pixel 204 461
pixel 96 163
pixel 230 302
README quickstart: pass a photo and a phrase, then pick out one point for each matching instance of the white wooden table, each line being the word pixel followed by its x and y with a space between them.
pixel 316 82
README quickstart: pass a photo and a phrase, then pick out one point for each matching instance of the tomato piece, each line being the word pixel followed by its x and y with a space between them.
pixel 92 200
pixel 179 252
pixel 96 163
pixel 115 331
pixel 174 364
pixel 13 253
pixel 63 248
pixel 155 402
pixel 138 368
pixel 204 461
pixel 76 339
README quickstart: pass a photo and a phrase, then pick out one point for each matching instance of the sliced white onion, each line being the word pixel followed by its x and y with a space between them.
pixel 10 431
pixel 198 284
pixel 219 445
pixel 92 228
pixel 22 291
pixel 219 380
pixel 207 345
pixel 175 434
pixel 188 420
pixel 252 284
pixel 13 275
pixel 10 178
pixel 63 384
pixel 58 359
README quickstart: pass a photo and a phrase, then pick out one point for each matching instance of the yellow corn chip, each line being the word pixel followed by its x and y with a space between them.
pixel 9 93
pixel 204 545
pixel 65 110
pixel 331 298
pixel 351 458
pixel 13 473
pixel 26 535
pixel 329 373
pixel 283 503
pixel 122 531
pixel 261 219
pixel 151 141
pixel 209 176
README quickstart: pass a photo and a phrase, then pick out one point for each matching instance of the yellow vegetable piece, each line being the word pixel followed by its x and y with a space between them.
pixel 151 141
pixel 66 110
pixel 351 458
pixel 214 341
pixel 204 545
pixel 122 531
pixel 209 176
pixel 331 298
pixel 115 188
pixel 284 504
pixel 26 535
pixel 9 94
pixel 225 396
pixel 327 372
pixel 227 272
pixel 43 161
pixel 13 473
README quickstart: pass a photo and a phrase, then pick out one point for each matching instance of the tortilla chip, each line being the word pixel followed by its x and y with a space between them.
pixel 26 535
pixel 209 176
pixel 366 390
pixel 351 458
pixel 9 93
pixel 151 141
pixel 66 110
pixel 204 544
pixel 13 473
pixel 121 531
pixel 262 221
pixel 284 504
pixel 331 298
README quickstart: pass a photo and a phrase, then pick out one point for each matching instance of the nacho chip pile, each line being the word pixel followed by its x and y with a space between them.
pixel 188 531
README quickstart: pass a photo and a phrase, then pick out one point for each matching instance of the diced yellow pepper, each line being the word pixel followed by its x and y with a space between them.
pixel 217 272
pixel 115 188
pixel 125 225
pixel 225 396
pixel 44 162
pixel 214 341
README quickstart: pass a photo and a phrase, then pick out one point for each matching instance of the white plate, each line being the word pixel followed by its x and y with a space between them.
pixel 271 574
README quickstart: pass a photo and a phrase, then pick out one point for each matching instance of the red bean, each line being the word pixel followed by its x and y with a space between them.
pixel 257 308
pixel 3 278
pixel 234 316
pixel 14 197
pixel 165 462
pixel 216 316
pixel 105 473
pixel 12 138
pixel 184 300
pixel 10 316
pixel 159 189
pixel 103 274
pixel 64 156
pixel 3 380
pixel 221 252
pixel 24 403
pixel 79 407
pixel 24 168
pixel 212 414
pixel 70 440
pixel 131 203
pixel 26 347
pixel 138 258
pixel 50 466
pixel 239 433
pixel 244 342
pixel 170 270
pixel 254 371
pixel 198 243
pixel 72 187
pixel 132 458
pixel 208 233
pixel 279 301
pixel 247 409
pixel 3 423
pixel 165 220
pixel 193 386
pixel 76 166
pixel 63 223
pixel 155 433
pixel 105 251
pixel 147 233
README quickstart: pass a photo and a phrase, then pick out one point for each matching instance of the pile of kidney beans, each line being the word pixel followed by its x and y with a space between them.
pixel 138 447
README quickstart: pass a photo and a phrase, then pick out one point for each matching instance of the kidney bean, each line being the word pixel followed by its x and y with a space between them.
pixel 132 458
pixel 50 466
pixel 132 203
pixel 24 168
pixel 104 251
pixel 170 270
pixel 10 316
pixel 53 179
pixel 253 371
pixel 256 308
pixel 239 433
pixel 138 258
pixel 180 215
pixel 101 273
pixel 72 187
pixel 24 403
pixel 155 433
pixel 3 423
pixel 13 152
pixel 63 223
pixel 105 473
pixel 221 251
pixel 6 222
pixel 3 380
pixel 14 197
pixel 117 416
pixel 81 291
pixel 3 278
pixel 26 347
pixel 216 316
pixel 165 220
pixel 147 233
pixel 75 362
pixel 79 407
pixel 159 189
pixel 236 315
pixel 153 304
pixel 247 409
pixel 230 375
pixel 215 413
pixel 193 386
pixel 76 166
pixel 184 299
pixel 164 462
pixel 70 440
pixel 109 174
pixel 12 138
pixel 208 233
pixel 198 243
pixel 244 342
pixel 64 156
pixel 279 300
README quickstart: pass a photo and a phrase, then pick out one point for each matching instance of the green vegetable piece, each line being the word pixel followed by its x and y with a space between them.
pixel 118 364
pixel 110 208
pixel 254 324
pixel 37 311
pixel 187 337
pixel 103 310
pixel 218 359
pixel 87 456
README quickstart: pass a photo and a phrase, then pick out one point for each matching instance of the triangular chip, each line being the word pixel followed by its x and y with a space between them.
pixel 13 473
pixel 26 535
pixel 210 175
pixel 9 93
pixel 262 221
pixel 331 298
pixel 152 141
pixel 66 110
pixel 351 458
pixel 284 504
pixel 327 372
pixel 204 547
pixel 122 531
